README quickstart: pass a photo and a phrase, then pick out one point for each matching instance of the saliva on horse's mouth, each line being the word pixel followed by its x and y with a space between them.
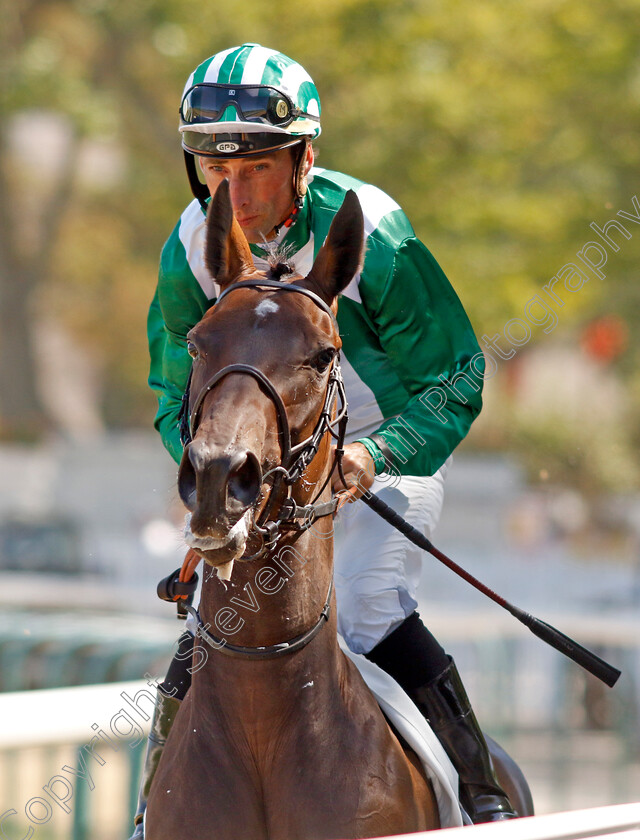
pixel 231 547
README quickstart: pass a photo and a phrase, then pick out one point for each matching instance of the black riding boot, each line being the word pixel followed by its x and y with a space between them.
pixel 413 657
pixel 445 704
pixel 163 716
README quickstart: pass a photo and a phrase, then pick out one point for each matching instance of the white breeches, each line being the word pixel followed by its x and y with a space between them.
pixel 377 569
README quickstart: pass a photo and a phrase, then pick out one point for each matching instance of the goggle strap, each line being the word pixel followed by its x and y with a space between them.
pixel 199 190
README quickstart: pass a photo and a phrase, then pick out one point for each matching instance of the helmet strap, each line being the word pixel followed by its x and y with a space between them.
pixel 299 186
pixel 297 207
pixel 199 190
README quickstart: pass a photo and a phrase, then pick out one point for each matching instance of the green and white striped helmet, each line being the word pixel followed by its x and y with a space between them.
pixel 247 100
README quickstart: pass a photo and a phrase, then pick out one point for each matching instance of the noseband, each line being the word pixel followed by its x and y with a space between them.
pixel 295 459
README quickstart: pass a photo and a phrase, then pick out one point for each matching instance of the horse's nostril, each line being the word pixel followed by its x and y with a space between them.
pixel 218 486
pixel 245 480
pixel 187 481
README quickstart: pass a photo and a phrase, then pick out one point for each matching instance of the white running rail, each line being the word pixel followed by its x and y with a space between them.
pixel 620 821
pixel 65 715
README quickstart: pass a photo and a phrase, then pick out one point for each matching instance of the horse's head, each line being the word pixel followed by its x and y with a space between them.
pixel 262 361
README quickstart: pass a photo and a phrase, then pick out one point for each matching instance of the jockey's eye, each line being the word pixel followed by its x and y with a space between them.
pixel 192 350
pixel 323 359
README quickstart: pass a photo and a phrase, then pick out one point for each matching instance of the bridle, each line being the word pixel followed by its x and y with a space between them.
pixel 295 459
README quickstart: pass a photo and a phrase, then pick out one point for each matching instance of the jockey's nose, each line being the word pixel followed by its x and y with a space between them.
pixel 239 191
pixel 218 486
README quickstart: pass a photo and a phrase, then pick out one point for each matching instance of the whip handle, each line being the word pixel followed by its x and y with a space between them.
pixel 586 658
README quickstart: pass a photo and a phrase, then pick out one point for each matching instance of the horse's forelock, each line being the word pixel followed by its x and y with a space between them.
pixel 279 260
pixel 280 270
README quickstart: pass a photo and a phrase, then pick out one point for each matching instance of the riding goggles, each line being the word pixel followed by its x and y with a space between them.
pixel 261 104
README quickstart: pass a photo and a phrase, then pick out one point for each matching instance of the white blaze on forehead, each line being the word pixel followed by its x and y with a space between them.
pixel 266 307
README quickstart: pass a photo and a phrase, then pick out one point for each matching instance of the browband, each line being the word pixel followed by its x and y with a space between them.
pixel 283 287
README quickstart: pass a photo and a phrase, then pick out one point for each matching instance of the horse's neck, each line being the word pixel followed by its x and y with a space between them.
pixel 274 599
pixel 264 604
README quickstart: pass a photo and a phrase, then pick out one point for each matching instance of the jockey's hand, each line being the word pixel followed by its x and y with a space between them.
pixel 359 471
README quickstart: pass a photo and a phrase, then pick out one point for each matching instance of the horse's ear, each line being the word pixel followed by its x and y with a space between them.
pixel 226 254
pixel 340 258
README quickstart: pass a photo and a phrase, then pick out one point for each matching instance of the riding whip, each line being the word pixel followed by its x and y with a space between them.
pixel 588 660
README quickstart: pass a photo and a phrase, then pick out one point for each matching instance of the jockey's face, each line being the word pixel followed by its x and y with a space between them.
pixel 261 188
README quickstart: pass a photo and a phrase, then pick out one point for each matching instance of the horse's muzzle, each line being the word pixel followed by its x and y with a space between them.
pixel 217 487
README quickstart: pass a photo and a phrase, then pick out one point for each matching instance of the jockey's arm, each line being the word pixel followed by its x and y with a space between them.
pixel 170 365
pixel 424 331
pixel 179 303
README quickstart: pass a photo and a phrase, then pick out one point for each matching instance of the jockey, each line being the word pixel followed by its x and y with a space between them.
pixel 412 368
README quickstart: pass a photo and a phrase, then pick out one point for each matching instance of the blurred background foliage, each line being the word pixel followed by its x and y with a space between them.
pixel 502 128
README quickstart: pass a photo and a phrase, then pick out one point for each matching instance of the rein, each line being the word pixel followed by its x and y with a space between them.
pixel 294 461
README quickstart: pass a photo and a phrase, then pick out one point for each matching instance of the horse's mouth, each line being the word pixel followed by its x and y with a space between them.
pixel 220 552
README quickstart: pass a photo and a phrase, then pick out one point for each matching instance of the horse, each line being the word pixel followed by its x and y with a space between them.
pixel 278 737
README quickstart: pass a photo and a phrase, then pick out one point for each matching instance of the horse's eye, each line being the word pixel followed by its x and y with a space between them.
pixel 323 359
pixel 192 350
